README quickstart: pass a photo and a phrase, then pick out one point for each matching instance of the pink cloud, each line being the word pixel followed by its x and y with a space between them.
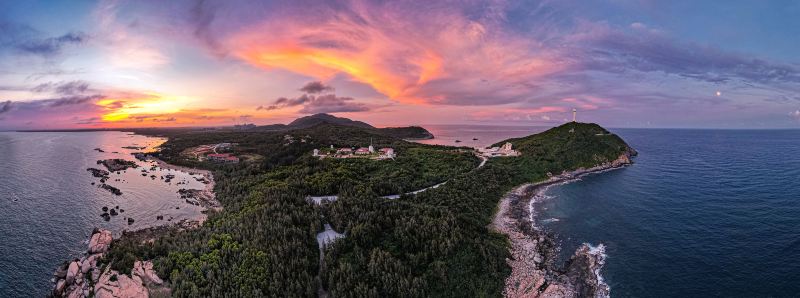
pixel 436 56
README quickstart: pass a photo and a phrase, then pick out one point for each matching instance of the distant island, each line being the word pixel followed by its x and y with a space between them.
pixel 467 234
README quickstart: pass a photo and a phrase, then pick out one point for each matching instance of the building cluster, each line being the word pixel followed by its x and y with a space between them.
pixel 502 151
pixel 383 153
pixel 222 158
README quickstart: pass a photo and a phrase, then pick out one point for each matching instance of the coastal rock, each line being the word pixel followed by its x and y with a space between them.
pixel 77 292
pixel 72 271
pixel 61 271
pixel 115 285
pixel 90 263
pixel 584 271
pixel 83 278
pixel 144 270
pixel 100 241
pixel 59 287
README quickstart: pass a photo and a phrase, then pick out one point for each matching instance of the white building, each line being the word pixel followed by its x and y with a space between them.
pixel 505 150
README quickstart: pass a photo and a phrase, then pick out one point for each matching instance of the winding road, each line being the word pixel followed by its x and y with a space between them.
pixel 319 199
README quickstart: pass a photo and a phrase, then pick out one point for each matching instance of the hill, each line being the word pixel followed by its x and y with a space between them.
pixel 566 147
pixel 409 132
pixel 316 119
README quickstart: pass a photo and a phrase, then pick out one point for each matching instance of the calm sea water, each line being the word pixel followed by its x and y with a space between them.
pixel 48 206
pixel 701 213
pixel 485 135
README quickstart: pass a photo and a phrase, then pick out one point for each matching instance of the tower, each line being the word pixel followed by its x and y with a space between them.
pixel 574 114
pixel 371 149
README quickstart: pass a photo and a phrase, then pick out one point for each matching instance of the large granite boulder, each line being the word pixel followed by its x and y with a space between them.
pixel 100 241
pixel 59 287
pixel 144 270
pixel 73 270
pixel 115 285
pixel 89 263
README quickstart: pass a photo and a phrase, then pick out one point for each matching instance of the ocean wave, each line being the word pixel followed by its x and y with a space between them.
pixel 599 253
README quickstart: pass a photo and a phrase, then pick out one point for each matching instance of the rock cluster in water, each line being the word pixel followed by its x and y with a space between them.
pixel 85 277
pixel 117 164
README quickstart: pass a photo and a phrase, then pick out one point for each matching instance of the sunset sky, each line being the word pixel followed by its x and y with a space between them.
pixel 621 63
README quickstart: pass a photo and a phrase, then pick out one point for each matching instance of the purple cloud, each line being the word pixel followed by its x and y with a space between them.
pixel 5 107
pixel 65 88
pixel 312 104
pixel 316 87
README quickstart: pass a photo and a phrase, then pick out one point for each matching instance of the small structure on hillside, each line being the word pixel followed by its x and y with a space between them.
pixel 364 151
pixel 503 151
pixel 388 152
pixel 222 158
pixel 361 152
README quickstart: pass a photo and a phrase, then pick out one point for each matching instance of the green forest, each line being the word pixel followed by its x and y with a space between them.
pixel 436 243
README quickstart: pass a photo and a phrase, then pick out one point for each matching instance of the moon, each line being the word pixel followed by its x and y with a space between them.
pixel 719 93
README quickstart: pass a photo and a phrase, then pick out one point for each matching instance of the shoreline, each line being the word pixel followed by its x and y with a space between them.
pixel 533 262
pixel 206 196
pixel 85 276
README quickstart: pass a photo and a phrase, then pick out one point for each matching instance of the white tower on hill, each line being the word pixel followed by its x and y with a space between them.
pixel 574 115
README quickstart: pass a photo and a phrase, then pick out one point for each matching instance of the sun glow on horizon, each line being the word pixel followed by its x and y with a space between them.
pixel 150 106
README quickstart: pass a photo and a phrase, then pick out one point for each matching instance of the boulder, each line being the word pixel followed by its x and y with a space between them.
pixel 61 271
pixel 89 263
pixel 144 270
pixel 73 271
pixel 122 287
pixel 77 292
pixel 59 287
pixel 100 241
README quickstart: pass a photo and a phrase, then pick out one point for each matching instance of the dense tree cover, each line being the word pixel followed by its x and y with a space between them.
pixel 436 243
pixel 439 243
pixel 409 132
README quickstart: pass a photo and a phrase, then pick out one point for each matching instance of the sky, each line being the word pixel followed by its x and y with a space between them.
pixel 620 63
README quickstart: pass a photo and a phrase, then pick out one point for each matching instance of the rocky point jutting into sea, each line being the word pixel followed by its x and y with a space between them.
pixel 534 269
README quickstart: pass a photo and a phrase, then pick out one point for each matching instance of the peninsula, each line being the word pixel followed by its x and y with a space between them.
pixel 380 237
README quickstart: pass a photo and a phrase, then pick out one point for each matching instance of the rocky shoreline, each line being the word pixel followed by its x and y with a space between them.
pixel 534 272
pixel 88 276
pixel 204 197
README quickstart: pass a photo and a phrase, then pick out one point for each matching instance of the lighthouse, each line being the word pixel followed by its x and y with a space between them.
pixel 574 115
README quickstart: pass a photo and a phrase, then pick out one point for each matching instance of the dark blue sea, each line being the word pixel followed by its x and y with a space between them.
pixel 701 213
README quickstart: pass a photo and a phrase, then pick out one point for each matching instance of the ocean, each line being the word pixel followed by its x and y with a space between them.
pixel 700 213
pixel 476 135
pixel 49 206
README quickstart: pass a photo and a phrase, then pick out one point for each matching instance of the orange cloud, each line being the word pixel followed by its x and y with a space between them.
pixel 435 58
